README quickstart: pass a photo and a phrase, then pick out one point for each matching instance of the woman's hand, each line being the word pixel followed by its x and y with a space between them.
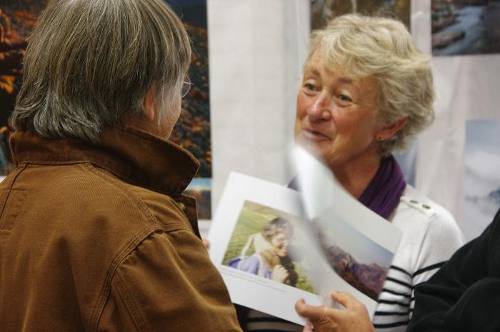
pixel 279 274
pixel 354 318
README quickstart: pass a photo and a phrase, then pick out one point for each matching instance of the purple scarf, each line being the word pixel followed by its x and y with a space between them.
pixel 384 191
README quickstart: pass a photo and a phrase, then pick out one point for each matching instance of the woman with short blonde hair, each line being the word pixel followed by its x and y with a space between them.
pixel 366 91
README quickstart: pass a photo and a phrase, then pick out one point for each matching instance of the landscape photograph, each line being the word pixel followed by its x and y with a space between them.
pixel 462 27
pixel 358 260
pixel 17 20
pixel 192 131
pixel 481 180
pixel 324 10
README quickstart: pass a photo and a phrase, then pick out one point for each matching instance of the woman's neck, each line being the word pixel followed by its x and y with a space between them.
pixel 356 175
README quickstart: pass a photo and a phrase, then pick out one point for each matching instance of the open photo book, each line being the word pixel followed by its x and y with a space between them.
pixel 274 245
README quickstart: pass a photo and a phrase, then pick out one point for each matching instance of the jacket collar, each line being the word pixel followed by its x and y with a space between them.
pixel 132 155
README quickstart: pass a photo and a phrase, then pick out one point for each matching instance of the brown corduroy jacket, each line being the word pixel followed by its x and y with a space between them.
pixel 100 238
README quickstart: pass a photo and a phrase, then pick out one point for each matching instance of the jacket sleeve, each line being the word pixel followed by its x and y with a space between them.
pixel 457 296
pixel 168 284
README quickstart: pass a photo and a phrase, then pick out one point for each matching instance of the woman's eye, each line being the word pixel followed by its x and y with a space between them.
pixel 310 87
pixel 344 98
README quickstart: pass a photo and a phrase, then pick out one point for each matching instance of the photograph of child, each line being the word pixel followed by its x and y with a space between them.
pixel 261 245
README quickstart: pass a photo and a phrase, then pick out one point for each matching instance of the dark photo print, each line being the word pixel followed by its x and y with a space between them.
pixel 461 27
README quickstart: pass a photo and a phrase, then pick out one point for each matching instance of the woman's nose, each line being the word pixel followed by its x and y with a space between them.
pixel 321 108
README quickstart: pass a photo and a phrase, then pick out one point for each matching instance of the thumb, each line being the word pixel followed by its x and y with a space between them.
pixel 309 311
pixel 346 299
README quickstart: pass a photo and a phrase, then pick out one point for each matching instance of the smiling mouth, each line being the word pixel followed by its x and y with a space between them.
pixel 314 135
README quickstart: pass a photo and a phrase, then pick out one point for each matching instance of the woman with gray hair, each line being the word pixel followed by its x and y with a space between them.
pixel 366 90
pixel 95 233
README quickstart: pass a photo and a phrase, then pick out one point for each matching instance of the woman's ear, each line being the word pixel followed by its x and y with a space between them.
pixel 149 105
pixel 388 131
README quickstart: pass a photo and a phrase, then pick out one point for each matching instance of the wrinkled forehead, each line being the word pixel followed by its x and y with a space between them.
pixel 339 69
pixel 318 64
pixel 341 73
pixel 331 56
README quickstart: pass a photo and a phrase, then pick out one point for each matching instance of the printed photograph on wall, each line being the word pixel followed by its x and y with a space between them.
pixel 193 128
pixel 461 27
pixel 481 180
pixel 18 18
pixel 324 10
pixel 263 244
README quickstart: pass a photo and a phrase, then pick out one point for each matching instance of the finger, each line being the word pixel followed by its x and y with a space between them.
pixel 308 327
pixel 206 244
pixel 309 311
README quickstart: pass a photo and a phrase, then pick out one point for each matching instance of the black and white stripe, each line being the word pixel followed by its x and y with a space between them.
pixel 396 300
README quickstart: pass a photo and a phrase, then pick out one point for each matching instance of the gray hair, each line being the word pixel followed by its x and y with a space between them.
pixel 89 63
pixel 382 48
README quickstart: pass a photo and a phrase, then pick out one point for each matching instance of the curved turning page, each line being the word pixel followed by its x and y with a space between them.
pixel 274 245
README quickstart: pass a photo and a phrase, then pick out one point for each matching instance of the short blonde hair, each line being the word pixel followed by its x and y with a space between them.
pixel 90 62
pixel 382 48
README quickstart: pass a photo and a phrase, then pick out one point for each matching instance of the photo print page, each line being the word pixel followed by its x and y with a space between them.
pixel 255 229
pixel 354 247
pixel 273 246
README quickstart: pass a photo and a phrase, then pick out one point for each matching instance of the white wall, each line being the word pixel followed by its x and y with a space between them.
pixel 466 88
pixel 256 51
